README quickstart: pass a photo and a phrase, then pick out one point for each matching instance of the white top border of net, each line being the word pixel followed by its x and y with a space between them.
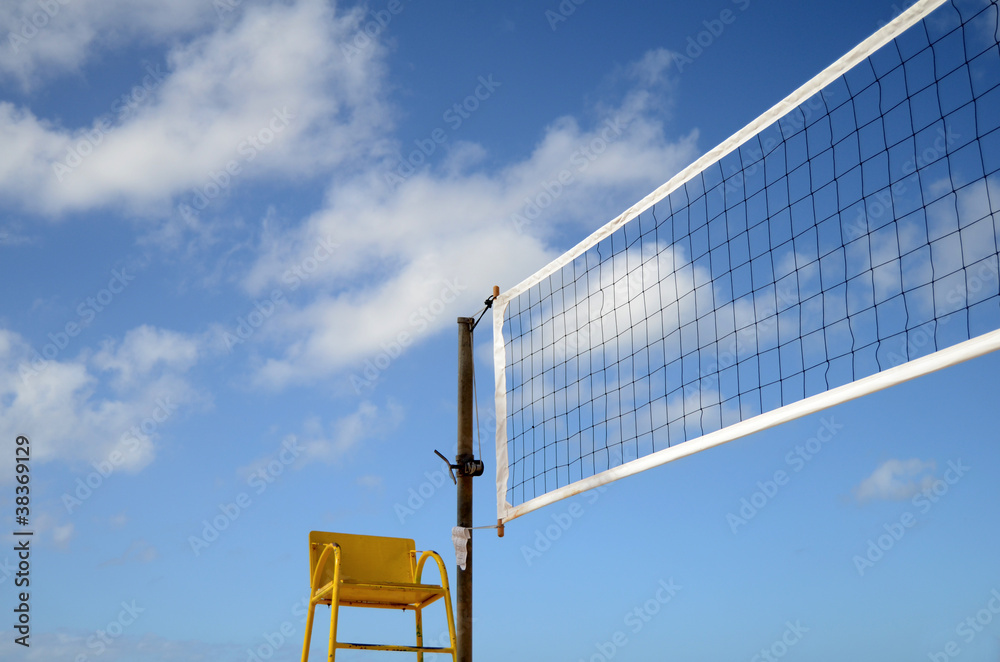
pixel 893 29
pixel 950 356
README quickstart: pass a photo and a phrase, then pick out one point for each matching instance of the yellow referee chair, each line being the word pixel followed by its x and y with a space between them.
pixel 349 570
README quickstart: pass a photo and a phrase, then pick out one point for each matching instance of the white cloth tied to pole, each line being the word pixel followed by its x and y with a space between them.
pixel 460 536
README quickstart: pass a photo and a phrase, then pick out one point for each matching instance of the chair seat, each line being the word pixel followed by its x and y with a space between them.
pixel 390 595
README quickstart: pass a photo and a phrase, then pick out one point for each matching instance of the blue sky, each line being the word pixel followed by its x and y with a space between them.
pixel 235 237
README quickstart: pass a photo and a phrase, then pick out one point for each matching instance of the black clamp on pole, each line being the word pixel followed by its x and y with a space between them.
pixel 467 465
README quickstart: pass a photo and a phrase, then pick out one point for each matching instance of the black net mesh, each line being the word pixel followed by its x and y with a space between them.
pixel 854 234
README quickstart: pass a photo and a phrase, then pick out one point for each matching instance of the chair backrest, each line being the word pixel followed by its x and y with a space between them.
pixel 364 559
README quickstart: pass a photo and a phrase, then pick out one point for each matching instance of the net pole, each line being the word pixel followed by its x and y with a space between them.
pixel 465 456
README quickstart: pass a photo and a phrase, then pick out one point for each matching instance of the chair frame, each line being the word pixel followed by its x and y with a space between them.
pixel 395 597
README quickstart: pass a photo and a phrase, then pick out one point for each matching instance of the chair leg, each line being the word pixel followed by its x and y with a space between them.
pixel 309 629
pixel 333 626
pixel 420 634
pixel 451 626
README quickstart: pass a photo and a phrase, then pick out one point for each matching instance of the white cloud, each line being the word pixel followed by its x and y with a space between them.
pixel 44 38
pixel 436 242
pixel 896 480
pixel 271 93
pixel 144 349
pixel 330 444
pixel 404 244
pixel 61 407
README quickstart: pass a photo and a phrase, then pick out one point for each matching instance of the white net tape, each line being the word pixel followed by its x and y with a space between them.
pixel 843 242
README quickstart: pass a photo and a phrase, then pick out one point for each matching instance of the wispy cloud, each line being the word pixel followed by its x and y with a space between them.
pixel 371 482
pixel 896 480
pixel 12 234
pixel 46 525
pixel 138 551
pixel 332 443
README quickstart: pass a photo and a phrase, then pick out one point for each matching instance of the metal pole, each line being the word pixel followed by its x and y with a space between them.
pixel 465 454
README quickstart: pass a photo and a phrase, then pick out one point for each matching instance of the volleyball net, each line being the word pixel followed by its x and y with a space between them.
pixel 843 242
